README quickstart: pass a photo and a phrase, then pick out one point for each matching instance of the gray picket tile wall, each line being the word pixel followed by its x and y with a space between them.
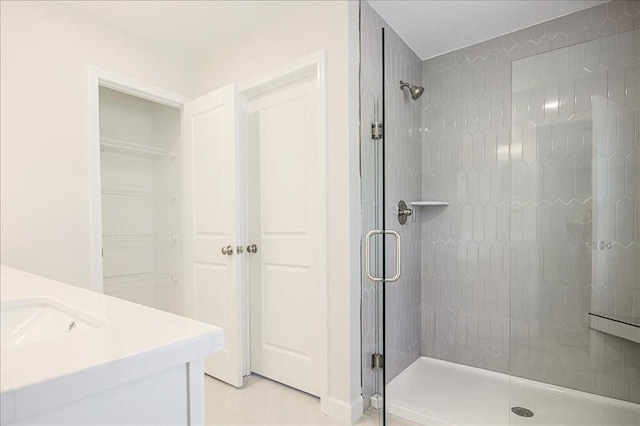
pixel 403 158
pixel 506 245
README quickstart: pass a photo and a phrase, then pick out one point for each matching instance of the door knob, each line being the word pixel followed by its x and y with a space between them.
pixel 252 248
pixel 228 250
pixel 239 249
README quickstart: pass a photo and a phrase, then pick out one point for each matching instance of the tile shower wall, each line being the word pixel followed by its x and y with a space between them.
pixel 403 159
pixel 468 258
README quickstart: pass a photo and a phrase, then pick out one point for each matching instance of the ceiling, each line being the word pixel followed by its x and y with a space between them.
pixel 189 28
pixel 432 28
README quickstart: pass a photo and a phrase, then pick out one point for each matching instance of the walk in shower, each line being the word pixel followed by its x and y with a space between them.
pixel 501 209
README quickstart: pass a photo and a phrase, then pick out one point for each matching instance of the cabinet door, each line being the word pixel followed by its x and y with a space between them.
pixel 211 277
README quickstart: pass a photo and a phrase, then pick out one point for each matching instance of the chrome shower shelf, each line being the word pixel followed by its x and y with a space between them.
pixel 429 203
pixel 123 146
pixel 139 237
pixel 136 192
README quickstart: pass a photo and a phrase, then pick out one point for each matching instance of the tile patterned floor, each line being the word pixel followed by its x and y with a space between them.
pixel 264 402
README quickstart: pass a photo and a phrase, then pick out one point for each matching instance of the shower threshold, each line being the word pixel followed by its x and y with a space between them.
pixel 436 392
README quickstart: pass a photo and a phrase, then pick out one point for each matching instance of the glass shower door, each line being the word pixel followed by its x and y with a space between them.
pixel 374 244
pixel 575 298
pixel 377 238
pixel 392 244
pixel 382 242
pixel 391 159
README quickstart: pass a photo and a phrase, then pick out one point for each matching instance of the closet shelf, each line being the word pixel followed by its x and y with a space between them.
pixel 138 237
pixel 120 146
pixel 135 192
pixel 143 278
pixel 429 203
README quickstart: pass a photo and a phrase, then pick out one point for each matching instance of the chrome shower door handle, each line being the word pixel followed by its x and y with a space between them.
pixel 396 277
pixel 367 256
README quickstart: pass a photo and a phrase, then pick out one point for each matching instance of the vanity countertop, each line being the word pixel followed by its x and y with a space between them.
pixel 130 341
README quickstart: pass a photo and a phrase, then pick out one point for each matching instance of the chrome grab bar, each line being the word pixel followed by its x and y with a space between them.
pixel 368 252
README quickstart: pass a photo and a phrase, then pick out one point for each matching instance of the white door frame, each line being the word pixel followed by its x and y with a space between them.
pixel 313 65
pixel 97 78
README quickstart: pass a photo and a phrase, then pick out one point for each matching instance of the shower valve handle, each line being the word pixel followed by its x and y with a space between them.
pixel 403 212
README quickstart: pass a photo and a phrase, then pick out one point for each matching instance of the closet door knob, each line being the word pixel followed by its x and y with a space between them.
pixel 228 250
pixel 252 248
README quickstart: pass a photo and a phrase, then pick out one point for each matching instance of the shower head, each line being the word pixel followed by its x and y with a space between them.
pixel 414 91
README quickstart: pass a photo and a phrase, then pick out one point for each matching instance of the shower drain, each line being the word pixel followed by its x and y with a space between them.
pixel 522 412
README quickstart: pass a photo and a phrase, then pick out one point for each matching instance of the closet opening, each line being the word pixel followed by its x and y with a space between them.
pixel 136 188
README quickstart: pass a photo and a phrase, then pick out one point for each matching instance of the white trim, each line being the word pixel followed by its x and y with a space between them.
pixel 344 411
pixel 98 77
pixel 355 208
pixel 309 66
pixel 95 194
pixel 137 88
pixel 320 59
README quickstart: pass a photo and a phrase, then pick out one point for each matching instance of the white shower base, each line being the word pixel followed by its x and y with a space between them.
pixel 435 392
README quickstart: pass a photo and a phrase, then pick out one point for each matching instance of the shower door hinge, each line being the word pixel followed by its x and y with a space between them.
pixel 376 131
pixel 377 361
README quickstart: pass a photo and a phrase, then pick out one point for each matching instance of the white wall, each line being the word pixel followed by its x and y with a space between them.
pixel 322 25
pixel 45 154
pixel 45 50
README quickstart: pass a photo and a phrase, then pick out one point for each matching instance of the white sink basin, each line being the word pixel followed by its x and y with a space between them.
pixel 40 318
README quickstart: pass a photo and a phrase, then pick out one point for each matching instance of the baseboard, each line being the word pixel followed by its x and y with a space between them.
pixel 345 412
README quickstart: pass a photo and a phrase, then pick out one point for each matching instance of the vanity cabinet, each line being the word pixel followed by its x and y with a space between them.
pixel 123 364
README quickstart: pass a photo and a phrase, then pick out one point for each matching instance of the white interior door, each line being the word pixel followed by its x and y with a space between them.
pixel 210 196
pixel 285 196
